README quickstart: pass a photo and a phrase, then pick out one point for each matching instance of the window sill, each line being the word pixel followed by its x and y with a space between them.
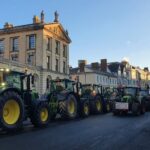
pixel 17 51
pixel 31 49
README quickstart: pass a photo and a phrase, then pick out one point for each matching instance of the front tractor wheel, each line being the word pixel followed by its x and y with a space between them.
pixel 68 107
pixel 40 116
pixel 11 111
pixel 85 110
pixel 96 106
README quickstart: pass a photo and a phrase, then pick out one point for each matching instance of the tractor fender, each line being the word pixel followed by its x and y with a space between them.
pixel 16 90
pixel 76 96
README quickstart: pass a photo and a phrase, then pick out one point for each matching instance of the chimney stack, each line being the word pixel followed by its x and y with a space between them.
pixel 36 20
pixel 146 69
pixel 81 65
pixel 8 25
pixel 104 65
pixel 95 65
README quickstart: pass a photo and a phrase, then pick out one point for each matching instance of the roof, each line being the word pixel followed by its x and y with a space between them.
pixel 77 71
pixel 34 26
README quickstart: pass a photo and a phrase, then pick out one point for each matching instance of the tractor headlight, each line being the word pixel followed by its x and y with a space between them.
pixel 3 84
pixel 7 69
pixel 1 69
pixel 94 93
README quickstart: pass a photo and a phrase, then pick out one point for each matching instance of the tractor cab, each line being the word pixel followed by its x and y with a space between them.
pixel 91 89
pixel 65 85
pixel 9 79
pixel 130 91
pixel 65 99
pixel 129 100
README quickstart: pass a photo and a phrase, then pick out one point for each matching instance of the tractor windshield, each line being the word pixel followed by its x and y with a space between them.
pixel 61 85
pixel 97 89
pixel 130 91
pixel 87 89
pixel 9 78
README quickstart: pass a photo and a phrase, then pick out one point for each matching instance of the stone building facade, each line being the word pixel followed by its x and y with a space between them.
pixel 39 48
pixel 93 74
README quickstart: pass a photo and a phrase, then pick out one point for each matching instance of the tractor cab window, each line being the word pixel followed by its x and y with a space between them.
pixel 130 91
pixel 143 93
pixel 9 78
pixel 69 86
pixel 87 89
pixel 97 89
pixel 59 85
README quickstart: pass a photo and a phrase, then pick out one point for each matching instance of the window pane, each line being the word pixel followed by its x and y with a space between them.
pixel 57 47
pixel 64 51
pixel 48 62
pixel 1 45
pixel 14 57
pixel 30 59
pixel 64 67
pixel 56 65
pixel 15 44
pixel 31 41
pixel 49 44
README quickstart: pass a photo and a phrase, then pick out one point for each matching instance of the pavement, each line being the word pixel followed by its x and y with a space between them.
pixel 100 132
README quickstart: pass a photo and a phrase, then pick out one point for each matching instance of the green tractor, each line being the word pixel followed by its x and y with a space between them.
pixel 99 103
pixel 18 102
pixel 129 100
pixel 65 99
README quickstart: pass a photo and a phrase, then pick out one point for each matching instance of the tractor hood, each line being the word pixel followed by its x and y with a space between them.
pixel 126 98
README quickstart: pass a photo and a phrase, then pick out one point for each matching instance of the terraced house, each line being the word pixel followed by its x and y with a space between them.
pixel 94 73
pixel 39 48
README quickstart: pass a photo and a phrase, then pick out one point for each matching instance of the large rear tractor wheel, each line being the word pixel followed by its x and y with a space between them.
pixel 85 109
pixel 97 106
pixel 11 111
pixel 40 116
pixel 68 108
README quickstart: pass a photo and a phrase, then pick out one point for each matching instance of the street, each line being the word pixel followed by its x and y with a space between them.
pixel 101 132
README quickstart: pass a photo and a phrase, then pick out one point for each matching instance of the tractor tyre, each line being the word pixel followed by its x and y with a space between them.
pixel 96 105
pixel 107 107
pixel 11 111
pixel 52 117
pixel 40 115
pixel 68 108
pixel 136 111
pixel 116 112
pixel 143 107
pixel 85 108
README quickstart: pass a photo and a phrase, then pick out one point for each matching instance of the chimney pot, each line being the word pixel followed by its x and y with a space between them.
pixel 104 65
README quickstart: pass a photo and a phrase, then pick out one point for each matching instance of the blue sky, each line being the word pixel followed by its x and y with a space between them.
pixel 110 29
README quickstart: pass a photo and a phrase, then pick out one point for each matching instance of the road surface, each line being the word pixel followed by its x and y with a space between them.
pixel 100 132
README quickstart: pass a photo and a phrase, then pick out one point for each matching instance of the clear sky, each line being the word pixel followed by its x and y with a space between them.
pixel 110 29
